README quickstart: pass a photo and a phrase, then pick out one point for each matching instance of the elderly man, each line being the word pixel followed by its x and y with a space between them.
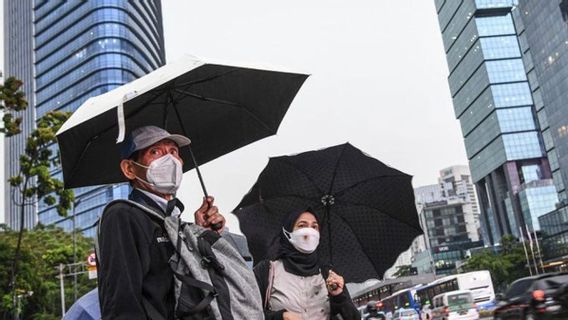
pixel 135 280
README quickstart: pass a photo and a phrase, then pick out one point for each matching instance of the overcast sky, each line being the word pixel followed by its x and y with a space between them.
pixel 378 80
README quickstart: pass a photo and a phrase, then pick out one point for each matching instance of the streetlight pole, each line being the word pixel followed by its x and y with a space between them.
pixel 62 289
pixel 75 204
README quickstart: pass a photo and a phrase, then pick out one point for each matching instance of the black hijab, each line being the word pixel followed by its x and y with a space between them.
pixel 296 262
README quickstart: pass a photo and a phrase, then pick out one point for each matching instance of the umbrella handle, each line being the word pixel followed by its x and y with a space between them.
pixel 214 226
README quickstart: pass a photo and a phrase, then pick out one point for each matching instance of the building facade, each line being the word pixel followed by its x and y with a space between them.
pixel 83 49
pixel 543 31
pixel 493 101
pixel 448 213
pixel 18 62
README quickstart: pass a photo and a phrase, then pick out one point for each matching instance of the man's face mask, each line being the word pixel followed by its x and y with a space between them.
pixel 305 240
pixel 164 174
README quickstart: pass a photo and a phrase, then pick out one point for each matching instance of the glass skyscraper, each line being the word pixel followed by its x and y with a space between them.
pixel 493 101
pixel 82 49
pixel 18 62
pixel 545 33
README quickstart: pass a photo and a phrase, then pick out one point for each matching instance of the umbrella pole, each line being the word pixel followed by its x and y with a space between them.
pixel 198 172
pixel 328 216
pixel 215 226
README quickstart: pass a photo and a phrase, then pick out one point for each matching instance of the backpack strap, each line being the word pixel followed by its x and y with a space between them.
pixel 142 207
pixel 271 273
pixel 149 308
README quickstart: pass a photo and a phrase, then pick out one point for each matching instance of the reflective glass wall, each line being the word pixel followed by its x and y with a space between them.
pixel 83 49
pixel 493 101
pixel 18 62
pixel 545 33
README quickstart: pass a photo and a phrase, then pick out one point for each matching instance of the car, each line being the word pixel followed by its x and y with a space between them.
pixel 454 305
pixel 538 297
pixel 405 314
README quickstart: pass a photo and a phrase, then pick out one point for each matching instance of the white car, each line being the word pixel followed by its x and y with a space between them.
pixel 454 305
pixel 405 314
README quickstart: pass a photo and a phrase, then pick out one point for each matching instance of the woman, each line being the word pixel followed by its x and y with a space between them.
pixel 293 286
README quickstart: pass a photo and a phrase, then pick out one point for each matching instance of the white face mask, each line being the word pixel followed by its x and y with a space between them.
pixel 164 174
pixel 305 240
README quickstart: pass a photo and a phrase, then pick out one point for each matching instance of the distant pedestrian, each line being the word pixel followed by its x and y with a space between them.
pixel 293 285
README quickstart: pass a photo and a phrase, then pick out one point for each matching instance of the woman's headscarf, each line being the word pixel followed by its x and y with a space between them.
pixel 294 261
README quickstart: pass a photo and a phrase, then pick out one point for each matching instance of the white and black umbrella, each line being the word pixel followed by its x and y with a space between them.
pixel 220 107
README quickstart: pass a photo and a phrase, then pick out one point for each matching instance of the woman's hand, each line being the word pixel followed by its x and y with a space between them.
pixel 334 283
pixel 291 316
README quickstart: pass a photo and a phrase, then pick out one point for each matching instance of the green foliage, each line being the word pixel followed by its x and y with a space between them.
pixel 35 164
pixel 12 100
pixel 35 182
pixel 505 267
pixel 402 271
pixel 42 250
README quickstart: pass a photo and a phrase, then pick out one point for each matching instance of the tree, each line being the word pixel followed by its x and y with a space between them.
pixel 34 180
pixel 12 100
pixel 505 266
pixel 42 250
pixel 403 271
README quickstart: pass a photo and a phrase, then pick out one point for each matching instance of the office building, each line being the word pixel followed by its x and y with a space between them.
pixel 543 34
pixel 82 49
pixel 18 62
pixel 493 101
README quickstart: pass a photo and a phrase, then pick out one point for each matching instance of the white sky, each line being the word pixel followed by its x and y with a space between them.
pixel 378 81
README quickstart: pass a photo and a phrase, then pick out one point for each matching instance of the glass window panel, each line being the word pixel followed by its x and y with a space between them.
pixel 510 95
pixel 511 70
pixel 500 47
pixel 524 145
pixel 516 119
pixel 494 26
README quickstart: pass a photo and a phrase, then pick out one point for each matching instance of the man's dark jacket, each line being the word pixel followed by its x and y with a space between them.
pixel 135 279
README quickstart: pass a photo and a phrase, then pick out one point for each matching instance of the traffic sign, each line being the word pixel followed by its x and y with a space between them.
pixel 91 260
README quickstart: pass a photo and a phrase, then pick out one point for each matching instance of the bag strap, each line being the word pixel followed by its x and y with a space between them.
pixel 271 274
pixel 142 207
pixel 151 311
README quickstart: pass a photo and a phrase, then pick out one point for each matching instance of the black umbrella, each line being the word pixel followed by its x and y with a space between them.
pixel 219 107
pixel 366 207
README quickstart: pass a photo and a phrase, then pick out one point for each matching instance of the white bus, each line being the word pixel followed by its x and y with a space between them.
pixel 478 282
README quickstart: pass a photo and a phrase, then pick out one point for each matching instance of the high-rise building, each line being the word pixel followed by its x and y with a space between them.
pixel 448 213
pixel 82 49
pixel 543 32
pixel 18 62
pixel 493 101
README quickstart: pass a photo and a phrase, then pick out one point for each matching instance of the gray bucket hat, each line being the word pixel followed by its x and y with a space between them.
pixel 146 136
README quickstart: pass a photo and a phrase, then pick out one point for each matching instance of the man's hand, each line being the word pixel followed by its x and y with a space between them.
pixel 334 283
pixel 208 214
pixel 291 316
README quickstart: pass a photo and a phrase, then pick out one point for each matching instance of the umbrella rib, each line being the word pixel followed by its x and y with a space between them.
pixel 225 102
pixel 337 200
pixel 336 169
pixel 339 193
pixel 355 236
pixel 190 83
pixel 382 212
pixel 303 173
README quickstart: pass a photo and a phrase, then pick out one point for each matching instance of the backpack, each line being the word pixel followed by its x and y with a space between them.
pixel 206 261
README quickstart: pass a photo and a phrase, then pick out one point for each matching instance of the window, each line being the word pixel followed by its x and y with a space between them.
pixel 518 288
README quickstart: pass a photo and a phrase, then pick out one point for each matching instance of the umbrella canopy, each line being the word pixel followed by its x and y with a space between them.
pixel 366 207
pixel 85 308
pixel 219 107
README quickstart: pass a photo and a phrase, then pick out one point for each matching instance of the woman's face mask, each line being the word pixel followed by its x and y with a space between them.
pixel 305 240
pixel 164 174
